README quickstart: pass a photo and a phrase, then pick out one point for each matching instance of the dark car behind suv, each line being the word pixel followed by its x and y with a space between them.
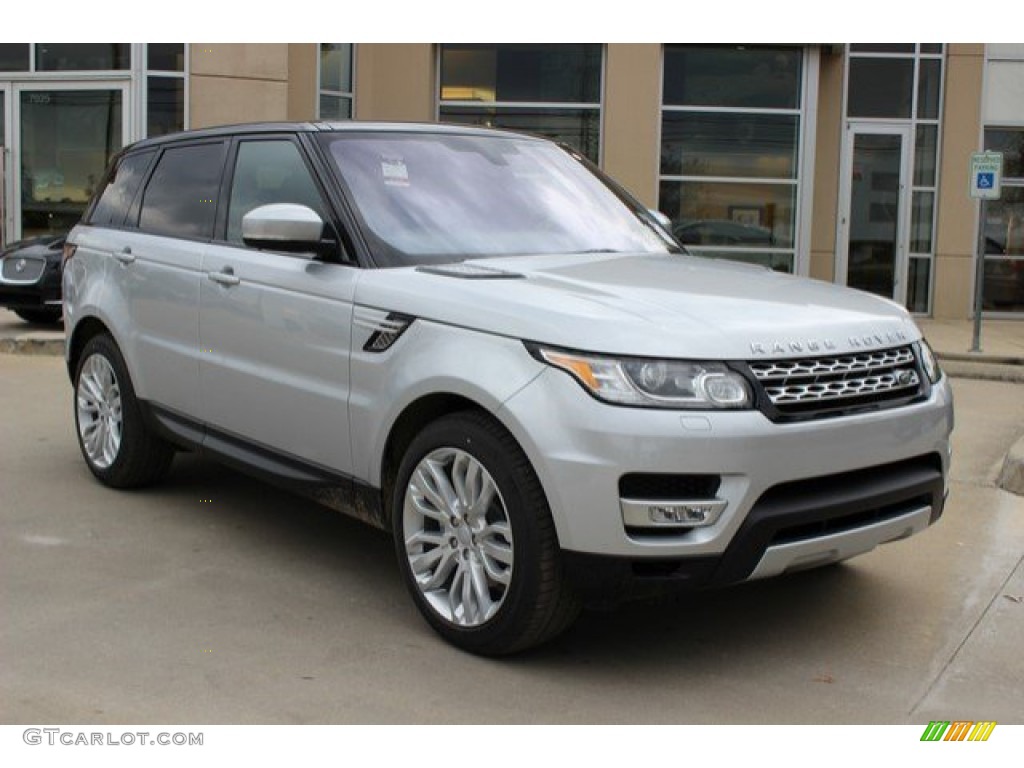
pixel 30 278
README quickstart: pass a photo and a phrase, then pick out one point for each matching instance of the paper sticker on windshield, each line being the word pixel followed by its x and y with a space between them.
pixel 394 171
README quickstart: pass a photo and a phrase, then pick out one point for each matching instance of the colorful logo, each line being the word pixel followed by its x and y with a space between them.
pixel 959 730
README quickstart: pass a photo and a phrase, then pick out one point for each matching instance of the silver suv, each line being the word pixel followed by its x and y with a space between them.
pixel 476 340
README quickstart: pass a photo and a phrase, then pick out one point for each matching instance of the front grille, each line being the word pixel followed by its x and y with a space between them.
pixel 825 385
pixel 22 269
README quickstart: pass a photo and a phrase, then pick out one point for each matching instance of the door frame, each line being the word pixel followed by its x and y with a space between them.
pixel 14 91
pixel 902 259
pixel 6 162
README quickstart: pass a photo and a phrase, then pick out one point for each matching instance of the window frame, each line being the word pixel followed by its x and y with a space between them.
pixel 321 91
pixel 440 103
pixel 803 181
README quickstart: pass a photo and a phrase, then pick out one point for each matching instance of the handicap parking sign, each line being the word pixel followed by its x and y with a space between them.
pixel 986 173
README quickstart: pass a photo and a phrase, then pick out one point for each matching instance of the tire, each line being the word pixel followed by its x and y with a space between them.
pixel 489 581
pixel 117 447
pixel 41 316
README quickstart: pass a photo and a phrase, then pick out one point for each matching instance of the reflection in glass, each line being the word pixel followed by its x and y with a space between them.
pixel 1011 144
pixel 929 79
pixel 14 57
pixel 880 87
pixel 723 144
pixel 1004 285
pixel 732 76
pixel 335 107
pixel 931 47
pixel 567 73
pixel 1004 223
pixel 882 47
pixel 925 151
pixel 167 57
pixel 922 214
pixel 336 67
pixel 725 213
pixel 54 57
pixel 874 213
pixel 780 262
pixel 67 140
pixel 919 273
pixel 580 128
pixel 165 105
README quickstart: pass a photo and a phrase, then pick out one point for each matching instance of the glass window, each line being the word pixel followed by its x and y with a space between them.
pixel 53 57
pixel 14 57
pixel 929 80
pixel 510 86
pixel 881 87
pixel 336 67
pixel 1004 223
pixel 922 213
pixel 335 107
pixel 733 76
pixel 919 277
pixel 579 128
pixel 567 73
pixel 269 172
pixel 438 198
pixel 724 144
pixel 68 138
pixel 717 213
pixel 166 57
pixel 925 151
pixel 882 47
pixel 165 105
pixel 931 47
pixel 121 186
pixel 1011 144
pixel 181 197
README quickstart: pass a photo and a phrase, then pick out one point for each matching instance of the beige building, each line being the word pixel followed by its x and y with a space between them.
pixel 848 163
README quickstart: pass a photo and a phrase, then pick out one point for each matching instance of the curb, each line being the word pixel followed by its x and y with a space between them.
pixel 22 345
pixel 982 369
pixel 1011 478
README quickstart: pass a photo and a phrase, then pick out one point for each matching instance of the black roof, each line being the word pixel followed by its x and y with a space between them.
pixel 317 127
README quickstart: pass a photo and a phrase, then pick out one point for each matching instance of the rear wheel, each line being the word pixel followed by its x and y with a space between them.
pixel 117 447
pixel 41 316
pixel 475 539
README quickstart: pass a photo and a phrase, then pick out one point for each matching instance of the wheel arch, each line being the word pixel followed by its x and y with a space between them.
pixel 84 330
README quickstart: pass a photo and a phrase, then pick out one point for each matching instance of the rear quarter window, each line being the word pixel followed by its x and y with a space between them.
pixel 119 190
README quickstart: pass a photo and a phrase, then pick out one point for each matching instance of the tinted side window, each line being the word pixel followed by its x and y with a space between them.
pixel 181 197
pixel 120 189
pixel 269 172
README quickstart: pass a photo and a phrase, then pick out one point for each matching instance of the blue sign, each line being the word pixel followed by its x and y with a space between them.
pixel 986 180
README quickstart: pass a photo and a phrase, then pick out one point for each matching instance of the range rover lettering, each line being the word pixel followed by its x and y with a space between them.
pixel 478 342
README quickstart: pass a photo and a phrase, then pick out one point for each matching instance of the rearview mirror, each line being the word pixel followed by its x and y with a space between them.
pixel 284 227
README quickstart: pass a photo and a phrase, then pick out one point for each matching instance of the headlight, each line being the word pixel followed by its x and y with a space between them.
pixel 652 383
pixel 931 365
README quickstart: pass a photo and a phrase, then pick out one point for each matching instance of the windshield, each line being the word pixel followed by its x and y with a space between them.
pixel 435 198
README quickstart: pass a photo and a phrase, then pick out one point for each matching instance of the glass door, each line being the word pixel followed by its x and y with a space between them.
pixel 873 223
pixel 64 136
pixel 6 222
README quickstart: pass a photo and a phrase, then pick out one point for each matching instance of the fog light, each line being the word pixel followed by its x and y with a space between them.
pixel 638 513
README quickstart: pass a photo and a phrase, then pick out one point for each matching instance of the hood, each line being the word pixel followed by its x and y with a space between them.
pixel 660 305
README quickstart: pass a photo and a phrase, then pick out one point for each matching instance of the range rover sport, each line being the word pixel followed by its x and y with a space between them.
pixel 475 340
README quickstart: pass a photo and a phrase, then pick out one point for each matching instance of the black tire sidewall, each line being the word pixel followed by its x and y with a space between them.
pixel 519 490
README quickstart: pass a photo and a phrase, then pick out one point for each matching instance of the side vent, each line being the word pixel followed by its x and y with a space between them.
pixel 385 327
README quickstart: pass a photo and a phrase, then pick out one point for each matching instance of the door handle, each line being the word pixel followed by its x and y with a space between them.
pixel 125 256
pixel 225 277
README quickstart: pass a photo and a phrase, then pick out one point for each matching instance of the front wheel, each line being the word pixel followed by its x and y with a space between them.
pixel 115 442
pixel 475 539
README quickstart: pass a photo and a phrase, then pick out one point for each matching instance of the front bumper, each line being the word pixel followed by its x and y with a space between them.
pixel 42 293
pixel 846 483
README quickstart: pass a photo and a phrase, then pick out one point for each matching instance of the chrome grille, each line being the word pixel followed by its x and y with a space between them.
pixel 821 384
pixel 22 269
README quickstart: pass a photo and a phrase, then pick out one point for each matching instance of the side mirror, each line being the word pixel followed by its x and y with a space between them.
pixel 284 227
